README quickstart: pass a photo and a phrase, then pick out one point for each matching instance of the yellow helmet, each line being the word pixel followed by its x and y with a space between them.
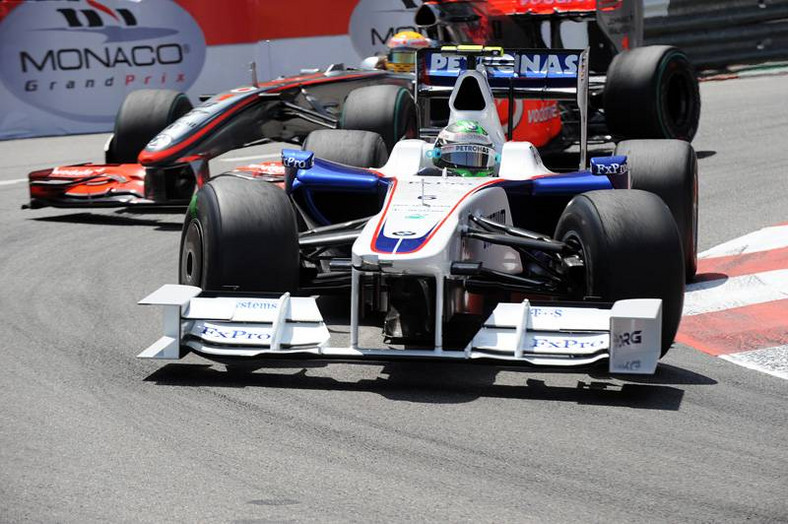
pixel 402 51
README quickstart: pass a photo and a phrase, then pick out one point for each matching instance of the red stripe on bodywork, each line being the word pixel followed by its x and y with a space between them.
pixel 746 264
pixel 735 330
pixel 147 157
pixel 383 216
pixel 435 230
pixel 540 7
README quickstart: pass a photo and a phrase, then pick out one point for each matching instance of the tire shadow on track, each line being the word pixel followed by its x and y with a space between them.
pixel 445 383
pixel 112 220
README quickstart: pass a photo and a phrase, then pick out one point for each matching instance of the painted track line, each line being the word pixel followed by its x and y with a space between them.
pixel 726 293
pixel 9 182
pixel 768 238
pixel 773 361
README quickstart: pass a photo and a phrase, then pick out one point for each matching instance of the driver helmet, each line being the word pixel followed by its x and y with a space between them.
pixel 402 49
pixel 465 148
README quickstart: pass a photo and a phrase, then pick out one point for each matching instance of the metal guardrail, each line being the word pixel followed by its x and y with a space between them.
pixel 717 33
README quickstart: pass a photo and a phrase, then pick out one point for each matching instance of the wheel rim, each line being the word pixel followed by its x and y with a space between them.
pixel 678 100
pixel 192 256
pixel 572 239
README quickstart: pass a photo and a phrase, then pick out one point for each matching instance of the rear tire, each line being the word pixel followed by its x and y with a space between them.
pixel 353 148
pixel 240 235
pixel 387 110
pixel 669 169
pixel 652 92
pixel 143 114
pixel 631 249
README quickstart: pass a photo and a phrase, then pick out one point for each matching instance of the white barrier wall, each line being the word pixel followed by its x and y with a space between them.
pixel 66 65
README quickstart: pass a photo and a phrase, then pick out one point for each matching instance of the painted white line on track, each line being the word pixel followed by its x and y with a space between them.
pixel 763 240
pixel 745 290
pixel 9 182
pixel 773 361
pixel 252 157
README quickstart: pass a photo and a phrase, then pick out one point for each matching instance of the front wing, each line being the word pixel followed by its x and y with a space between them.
pixel 88 185
pixel 628 335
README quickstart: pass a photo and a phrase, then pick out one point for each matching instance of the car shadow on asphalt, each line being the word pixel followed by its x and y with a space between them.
pixel 114 220
pixel 447 383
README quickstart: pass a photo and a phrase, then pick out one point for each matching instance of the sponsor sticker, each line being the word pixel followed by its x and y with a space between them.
pixel 76 172
pixel 568 343
pixel 612 165
pixel 547 65
pixel 629 338
pixel 297 159
pixel 527 65
pixel 257 305
pixel 233 334
pixel 542 312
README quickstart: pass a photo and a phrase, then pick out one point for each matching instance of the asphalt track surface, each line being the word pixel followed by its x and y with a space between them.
pixel 90 433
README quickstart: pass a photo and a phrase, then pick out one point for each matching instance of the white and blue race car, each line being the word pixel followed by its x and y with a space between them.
pixel 460 245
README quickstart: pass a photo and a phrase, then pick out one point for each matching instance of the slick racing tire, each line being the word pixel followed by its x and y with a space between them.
pixel 669 169
pixel 353 148
pixel 387 110
pixel 240 235
pixel 143 114
pixel 631 249
pixel 652 92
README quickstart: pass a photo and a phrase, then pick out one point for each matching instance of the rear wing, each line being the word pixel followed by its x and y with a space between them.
pixel 549 74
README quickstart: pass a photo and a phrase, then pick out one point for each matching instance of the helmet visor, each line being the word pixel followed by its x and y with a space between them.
pixel 406 57
pixel 473 156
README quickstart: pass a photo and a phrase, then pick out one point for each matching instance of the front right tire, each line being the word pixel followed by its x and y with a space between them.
pixel 631 249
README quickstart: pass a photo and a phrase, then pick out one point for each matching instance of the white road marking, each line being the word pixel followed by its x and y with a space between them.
pixel 745 290
pixel 252 157
pixel 763 240
pixel 773 361
pixel 9 182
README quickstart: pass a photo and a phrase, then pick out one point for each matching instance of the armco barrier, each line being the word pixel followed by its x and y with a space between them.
pixel 718 33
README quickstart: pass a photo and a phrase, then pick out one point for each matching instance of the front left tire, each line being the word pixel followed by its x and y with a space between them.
pixel 143 114
pixel 240 235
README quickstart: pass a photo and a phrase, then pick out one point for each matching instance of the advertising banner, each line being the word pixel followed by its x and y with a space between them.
pixel 67 65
